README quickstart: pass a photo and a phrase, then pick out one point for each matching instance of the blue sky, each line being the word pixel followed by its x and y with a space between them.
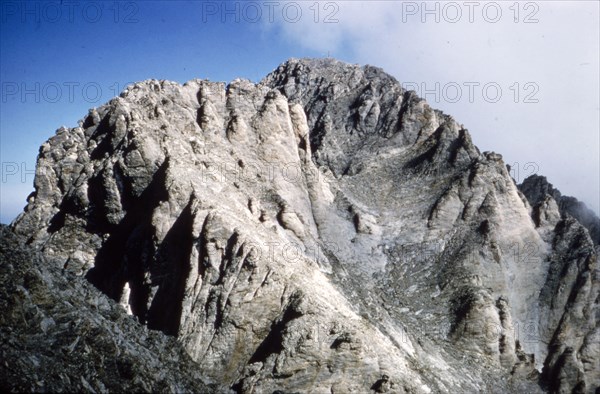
pixel 58 59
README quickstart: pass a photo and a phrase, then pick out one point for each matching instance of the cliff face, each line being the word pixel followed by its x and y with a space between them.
pixel 537 189
pixel 323 230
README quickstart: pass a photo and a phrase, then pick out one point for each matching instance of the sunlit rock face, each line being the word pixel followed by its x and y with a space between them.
pixel 323 230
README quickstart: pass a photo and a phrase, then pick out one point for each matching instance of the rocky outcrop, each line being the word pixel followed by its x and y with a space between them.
pixel 323 230
pixel 61 334
pixel 537 189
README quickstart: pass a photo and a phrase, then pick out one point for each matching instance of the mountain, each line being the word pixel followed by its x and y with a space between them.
pixel 323 230
pixel 536 188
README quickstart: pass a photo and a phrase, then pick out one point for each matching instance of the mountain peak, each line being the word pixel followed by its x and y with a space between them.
pixel 536 188
pixel 321 231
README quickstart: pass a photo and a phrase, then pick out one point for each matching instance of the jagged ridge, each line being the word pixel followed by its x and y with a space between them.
pixel 323 230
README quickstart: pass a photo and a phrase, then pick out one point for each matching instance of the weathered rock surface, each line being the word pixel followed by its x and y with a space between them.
pixel 61 334
pixel 537 189
pixel 321 231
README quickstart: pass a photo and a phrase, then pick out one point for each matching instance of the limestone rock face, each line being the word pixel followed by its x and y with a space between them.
pixel 320 231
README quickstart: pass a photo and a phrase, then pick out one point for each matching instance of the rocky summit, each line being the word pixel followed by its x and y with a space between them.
pixel 323 230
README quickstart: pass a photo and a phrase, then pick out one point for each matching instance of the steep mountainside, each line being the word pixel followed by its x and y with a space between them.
pixel 323 230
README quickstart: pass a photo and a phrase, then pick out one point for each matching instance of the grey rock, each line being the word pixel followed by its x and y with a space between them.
pixel 323 230
pixel 59 333
pixel 537 189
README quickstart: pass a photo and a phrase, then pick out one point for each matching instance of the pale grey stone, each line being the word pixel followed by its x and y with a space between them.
pixel 323 230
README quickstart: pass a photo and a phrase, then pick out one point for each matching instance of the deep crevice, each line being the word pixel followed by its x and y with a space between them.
pixel 273 343
pixel 172 271
pixel 111 268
